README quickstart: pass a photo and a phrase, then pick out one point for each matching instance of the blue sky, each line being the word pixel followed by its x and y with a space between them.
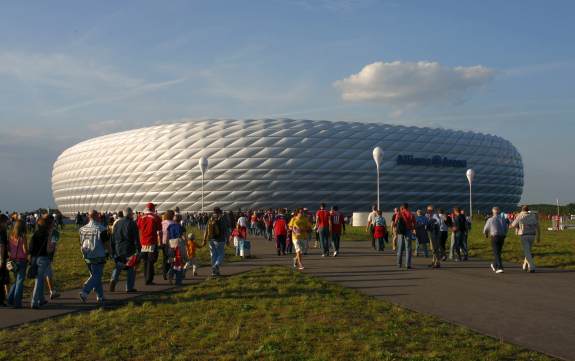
pixel 71 70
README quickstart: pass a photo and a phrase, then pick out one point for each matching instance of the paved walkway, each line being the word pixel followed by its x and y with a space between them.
pixel 536 311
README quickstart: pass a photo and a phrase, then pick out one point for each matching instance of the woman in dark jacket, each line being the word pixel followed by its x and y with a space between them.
pixel 39 258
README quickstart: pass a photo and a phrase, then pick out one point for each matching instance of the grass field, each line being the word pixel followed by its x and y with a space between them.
pixel 266 314
pixel 557 249
pixel 70 270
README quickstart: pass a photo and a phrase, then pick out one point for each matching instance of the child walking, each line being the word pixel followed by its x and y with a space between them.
pixel 191 247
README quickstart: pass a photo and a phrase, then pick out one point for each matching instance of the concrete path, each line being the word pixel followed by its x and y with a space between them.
pixel 533 310
pixel 536 311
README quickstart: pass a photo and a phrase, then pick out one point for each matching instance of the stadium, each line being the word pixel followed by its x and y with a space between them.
pixel 262 163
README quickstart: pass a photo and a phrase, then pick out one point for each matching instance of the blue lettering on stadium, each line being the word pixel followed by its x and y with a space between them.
pixel 435 161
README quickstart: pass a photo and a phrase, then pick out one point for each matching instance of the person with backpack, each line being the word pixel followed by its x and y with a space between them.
pixel 421 224
pixel 150 226
pixel 527 225
pixel 369 228
pixel 125 240
pixel 177 255
pixel 95 247
pixel 167 220
pixel 433 231
pixel 336 228
pixel 405 225
pixel 322 225
pixel 379 231
pixel 280 229
pixel 215 235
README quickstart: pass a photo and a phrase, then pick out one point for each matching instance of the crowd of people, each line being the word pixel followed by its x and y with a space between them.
pixel 128 238
pixel 430 232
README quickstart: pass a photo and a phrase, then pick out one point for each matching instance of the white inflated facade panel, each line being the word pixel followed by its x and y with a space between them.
pixel 282 163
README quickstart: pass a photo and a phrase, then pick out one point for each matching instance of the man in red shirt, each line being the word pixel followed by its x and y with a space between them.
pixel 150 227
pixel 280 232
pixel 337 226
pixel 322 226
pixel 405 224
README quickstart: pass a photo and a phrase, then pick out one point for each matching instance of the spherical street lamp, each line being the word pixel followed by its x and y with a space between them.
pixel 470 175
pixel 378 158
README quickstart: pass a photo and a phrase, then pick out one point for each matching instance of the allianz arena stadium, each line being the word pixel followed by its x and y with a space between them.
pixel 269 163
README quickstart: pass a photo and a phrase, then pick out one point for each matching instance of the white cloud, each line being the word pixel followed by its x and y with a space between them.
pixel 408 84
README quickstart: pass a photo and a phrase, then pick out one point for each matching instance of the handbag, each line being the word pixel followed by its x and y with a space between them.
pixel 32 271
pixel 12 266
pixel 132 261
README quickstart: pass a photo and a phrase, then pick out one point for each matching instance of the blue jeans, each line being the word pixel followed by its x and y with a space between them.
pixel 17 289
pixel 38 293
pixel 404 246
pixel 324 239
pixel 380 244
pixel 423 246
pixel 458 244
pixel 217 251
pixel 130 275
pixel 95 280
pixel 335 238
pixel 179 274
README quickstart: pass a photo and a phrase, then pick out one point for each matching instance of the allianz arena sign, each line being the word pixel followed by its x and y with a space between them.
pixel 435 161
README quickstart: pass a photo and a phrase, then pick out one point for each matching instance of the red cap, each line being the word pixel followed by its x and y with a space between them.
pixel 150 206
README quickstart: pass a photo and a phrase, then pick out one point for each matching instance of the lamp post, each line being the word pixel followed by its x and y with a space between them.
pixel 378 158
pixel 470 175
pixel 203 163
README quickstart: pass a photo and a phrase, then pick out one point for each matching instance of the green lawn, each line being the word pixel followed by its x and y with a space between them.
pixel 70 271
pixel 266 314
pixel 557 249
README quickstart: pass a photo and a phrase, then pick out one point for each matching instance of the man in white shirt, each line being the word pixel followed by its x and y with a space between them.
pixel 371 224
pixel 527 225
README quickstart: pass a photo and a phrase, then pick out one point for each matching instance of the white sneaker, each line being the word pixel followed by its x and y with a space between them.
pixel 493 268
pixel 335 254
pixel 499 271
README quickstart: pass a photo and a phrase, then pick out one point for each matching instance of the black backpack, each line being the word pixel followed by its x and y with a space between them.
pixel 401 225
